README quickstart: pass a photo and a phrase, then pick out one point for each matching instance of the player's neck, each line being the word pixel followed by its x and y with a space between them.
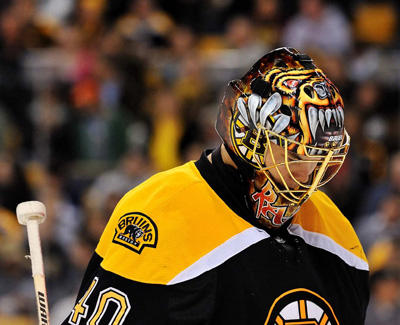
pixel 225 157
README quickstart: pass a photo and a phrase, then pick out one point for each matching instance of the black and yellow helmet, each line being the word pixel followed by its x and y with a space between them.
pixel 284 100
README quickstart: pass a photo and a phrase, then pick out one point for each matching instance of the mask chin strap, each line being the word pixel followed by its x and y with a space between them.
pixel 246 169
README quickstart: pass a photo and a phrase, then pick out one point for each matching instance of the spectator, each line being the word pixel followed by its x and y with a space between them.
pixel 145 26
pixel 318 27
pixel 383 224
pixel 168 129
pixel 267 16
pixel 14 187
pixel 376 192
pixel 384 307
pixel 132 169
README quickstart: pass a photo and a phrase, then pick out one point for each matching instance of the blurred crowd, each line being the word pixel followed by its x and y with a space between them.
pixel 98 95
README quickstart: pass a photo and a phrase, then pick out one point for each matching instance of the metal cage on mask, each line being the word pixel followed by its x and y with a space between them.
pixel 327 163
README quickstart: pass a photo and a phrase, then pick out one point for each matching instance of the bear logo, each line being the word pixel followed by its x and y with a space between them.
pixel 134 233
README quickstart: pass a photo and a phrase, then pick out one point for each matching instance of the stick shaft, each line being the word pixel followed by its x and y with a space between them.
pixel 35 247
pixel 38 271
pixel 41 299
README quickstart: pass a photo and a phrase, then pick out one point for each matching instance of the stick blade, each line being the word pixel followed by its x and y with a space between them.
pixel 31 210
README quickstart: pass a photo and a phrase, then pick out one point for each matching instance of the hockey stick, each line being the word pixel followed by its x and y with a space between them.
pixel 31 214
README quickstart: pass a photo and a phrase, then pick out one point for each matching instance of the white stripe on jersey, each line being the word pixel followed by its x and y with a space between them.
pixel 326 243
pixel 222 253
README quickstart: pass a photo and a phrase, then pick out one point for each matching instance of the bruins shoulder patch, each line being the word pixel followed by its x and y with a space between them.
pixel 136 231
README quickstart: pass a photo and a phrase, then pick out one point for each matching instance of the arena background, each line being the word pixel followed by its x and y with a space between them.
pixel 97 95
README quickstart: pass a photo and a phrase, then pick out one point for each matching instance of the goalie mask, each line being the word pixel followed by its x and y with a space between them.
pixel 283 126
